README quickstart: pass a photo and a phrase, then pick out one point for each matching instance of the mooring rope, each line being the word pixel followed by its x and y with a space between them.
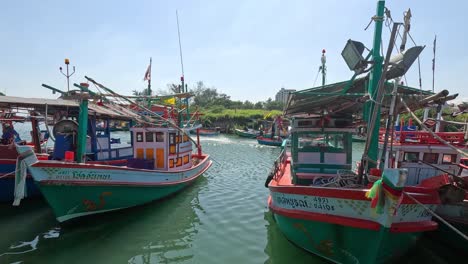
pixel 431 132
pixel 10 173
pixel 437 216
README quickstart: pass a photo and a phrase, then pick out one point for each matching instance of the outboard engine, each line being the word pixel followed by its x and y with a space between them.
pixel 65 132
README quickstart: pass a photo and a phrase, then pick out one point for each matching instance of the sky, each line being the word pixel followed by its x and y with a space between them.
pixel 245 49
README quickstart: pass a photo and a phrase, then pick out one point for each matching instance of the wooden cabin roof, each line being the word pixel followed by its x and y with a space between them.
pixel 344 97
pixel 113 111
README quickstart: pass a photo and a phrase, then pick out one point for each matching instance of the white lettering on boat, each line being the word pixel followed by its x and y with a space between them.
pixel 79 175
pixel 316 202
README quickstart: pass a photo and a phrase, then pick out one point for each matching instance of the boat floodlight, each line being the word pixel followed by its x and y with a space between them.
pixel 352 54
pixel 400 63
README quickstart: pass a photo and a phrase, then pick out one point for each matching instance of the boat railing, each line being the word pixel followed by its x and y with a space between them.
pixel 422 137
pixel 280 165
pixel 418 173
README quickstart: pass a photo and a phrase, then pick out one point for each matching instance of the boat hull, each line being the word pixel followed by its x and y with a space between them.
pixel 68 201
pixel 203 132
pixel 245 134
pixel 358 139
pixel 457 216
pixel 344 244
pixel 269 141
pixel 74 190
pixel 7 188
pixel 8 158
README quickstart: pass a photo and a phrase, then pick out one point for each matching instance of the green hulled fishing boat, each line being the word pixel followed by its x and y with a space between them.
pixel 162 163
pixel 318 202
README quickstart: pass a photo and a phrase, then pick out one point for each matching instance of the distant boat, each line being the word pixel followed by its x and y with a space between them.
pixel 206 131
pixel 270 141
pixel 358 138
pixel 251 133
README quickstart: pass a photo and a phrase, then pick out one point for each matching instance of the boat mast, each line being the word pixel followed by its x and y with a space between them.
pixel 67 62
pixel 182 78
pixel 323 68
pixel 82 123
pixel 149 85
pixel 374 78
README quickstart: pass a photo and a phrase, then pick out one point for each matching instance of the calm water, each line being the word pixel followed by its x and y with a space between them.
pixel 222 218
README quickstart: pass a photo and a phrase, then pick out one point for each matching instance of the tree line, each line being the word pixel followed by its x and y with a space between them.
pixel 205 97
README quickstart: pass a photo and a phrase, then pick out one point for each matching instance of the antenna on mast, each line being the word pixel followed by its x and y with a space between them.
pixel 433 62
pixel 180 51
pixel 323 68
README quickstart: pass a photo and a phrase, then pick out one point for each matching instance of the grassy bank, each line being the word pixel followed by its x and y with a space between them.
pixel 228 119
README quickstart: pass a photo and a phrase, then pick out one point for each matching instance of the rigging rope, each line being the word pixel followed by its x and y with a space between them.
pixel 144 108
pixel 431 132
pixel 407 17
pixel 437 216
pixel 316 77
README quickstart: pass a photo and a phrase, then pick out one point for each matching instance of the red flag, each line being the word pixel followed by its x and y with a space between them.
pixel 148 74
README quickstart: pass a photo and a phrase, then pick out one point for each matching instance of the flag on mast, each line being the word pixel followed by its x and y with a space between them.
pixel 148 74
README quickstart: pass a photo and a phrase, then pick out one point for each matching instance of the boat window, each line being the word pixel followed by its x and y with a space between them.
pixel 186 159
pixel 186 138
pixel 171 163
pixel 171 138
pixel 172 149
pixel 431 158
pixel 311 140
pixel 149 137
pixel 139 136
pixel 179 161
pixel 159 136
pixel 321 140
pixel 411 156
pixel 449 158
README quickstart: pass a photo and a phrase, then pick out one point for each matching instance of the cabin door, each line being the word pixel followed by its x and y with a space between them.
pixel 160 158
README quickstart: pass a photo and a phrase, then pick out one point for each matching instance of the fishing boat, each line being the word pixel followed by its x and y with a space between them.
pixel 275 141
pixel 8 154
pixel 162 164
pixel 318 202
pixel 249 133
pixel 463 167
pixel 434 159
pixel 206 131
pixel 56 115
pixel 358 138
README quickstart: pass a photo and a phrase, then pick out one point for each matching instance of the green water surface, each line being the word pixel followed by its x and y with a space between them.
pixel 222 218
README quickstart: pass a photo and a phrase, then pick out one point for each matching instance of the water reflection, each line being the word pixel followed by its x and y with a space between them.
pixel 280 250
pixel 162 231
pixel 23 227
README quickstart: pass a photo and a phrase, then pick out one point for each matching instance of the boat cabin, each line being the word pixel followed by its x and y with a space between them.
pixel 161 148
pixel 320 146
pixel 422 154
